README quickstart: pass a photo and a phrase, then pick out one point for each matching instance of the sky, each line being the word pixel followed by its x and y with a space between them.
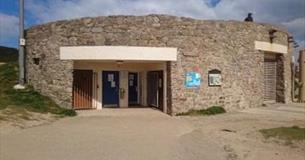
pixel 288 14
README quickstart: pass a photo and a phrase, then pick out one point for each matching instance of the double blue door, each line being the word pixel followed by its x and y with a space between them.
pixel 111 88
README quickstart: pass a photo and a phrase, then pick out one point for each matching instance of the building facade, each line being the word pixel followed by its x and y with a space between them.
pixel 171 63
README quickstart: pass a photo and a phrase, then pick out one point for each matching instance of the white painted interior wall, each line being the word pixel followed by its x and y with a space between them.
pixel 124 85
pixel 144 88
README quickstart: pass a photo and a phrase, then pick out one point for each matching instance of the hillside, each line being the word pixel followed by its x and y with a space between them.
pixel 22 105
pixel 8 54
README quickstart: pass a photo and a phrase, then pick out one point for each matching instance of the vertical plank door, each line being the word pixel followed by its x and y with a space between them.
pixel 270 80
pixel 82 89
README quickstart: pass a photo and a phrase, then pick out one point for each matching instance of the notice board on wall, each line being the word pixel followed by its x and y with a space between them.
pixel 192 80
pixel 215 77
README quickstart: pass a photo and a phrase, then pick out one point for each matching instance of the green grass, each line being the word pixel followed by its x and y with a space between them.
pixel 285 133
pixel 28 98
pixel 202 112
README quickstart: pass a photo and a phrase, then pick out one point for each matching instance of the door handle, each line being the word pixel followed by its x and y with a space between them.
pixel 122 93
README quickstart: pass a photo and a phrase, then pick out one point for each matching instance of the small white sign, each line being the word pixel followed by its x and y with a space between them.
pixel 110 77
pixel 22 41
pixel 214 79
pixel 112 84
pixel 131 77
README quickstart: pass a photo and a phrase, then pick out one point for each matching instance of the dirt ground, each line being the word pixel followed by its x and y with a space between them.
pixel 12 120
pixel 137 134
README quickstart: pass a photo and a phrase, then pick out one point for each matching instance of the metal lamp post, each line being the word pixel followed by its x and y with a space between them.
pixel 21 43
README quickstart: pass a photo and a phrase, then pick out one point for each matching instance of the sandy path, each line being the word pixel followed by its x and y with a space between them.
pixel 148 134
pixel 245 142
pixel 10 121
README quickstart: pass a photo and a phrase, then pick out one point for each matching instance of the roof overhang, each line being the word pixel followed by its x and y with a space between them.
pixel 271 47
pixel 118 53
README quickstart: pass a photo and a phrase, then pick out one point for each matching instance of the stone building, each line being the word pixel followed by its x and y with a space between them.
pixel 171 63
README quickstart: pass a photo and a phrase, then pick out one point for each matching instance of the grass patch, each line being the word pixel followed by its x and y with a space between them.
pixel 202 112
pixel 28 98
pixel 285 133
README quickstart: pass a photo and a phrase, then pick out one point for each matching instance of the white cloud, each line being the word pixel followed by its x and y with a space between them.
pixel 264 10
pixel 302 45
pixel 285 13
pixel 8 27
pixel 297 50
pixel 62 9
pixel 297 27
pixel 288 13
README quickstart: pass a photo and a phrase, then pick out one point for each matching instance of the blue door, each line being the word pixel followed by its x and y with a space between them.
pixel 111 88
pixel 133 88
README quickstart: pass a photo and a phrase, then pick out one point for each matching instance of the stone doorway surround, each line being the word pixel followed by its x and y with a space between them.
pixel 275 52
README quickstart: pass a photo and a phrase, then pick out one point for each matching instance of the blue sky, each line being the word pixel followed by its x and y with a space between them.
pixel 214 2
pixel 288 14
pixel 11 7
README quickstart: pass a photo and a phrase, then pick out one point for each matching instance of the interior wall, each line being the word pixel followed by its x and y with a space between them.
pixel 124 86
pixel 143 88
pixel 95 95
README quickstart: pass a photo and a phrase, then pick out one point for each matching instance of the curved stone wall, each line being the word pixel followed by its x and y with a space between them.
pixel 203 45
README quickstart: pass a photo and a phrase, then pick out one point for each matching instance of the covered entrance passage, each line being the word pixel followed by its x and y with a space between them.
pixel 123 77
pixel 128 84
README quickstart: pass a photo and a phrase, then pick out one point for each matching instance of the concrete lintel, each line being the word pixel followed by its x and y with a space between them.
pixel 271 47
pixel 118 53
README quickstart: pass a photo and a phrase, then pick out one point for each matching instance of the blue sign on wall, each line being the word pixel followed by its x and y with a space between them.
pixel 192 80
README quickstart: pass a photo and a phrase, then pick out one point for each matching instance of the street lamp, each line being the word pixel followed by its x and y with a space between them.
pixel 21 47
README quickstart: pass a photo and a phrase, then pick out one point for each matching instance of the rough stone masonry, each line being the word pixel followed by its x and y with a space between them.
pixel 203 45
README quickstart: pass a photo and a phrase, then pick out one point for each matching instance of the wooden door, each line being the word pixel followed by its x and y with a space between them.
pixel 270 80
pixel 82 89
